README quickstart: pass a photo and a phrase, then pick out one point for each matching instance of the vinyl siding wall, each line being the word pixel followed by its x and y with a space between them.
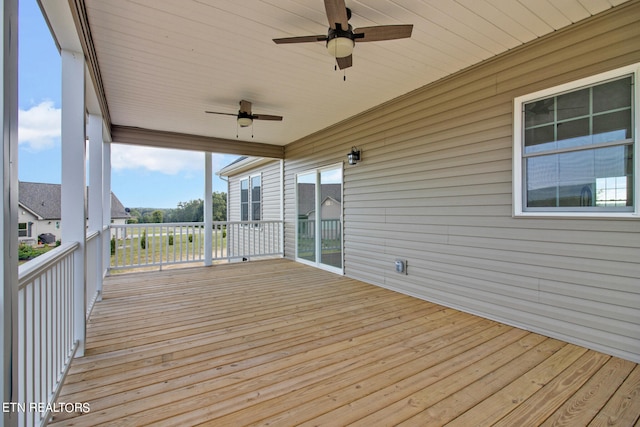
pixel 264 240
pixel 435 188
pixel 271 191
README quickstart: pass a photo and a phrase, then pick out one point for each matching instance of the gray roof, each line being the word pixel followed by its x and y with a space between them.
pixel 307 196
pixel 44 200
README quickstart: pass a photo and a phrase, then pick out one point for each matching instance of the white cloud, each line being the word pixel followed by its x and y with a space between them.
pixel 166 161
pixel 39 126
pixel 169 162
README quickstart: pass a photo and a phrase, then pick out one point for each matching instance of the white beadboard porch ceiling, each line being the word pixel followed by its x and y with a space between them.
pixel 164 62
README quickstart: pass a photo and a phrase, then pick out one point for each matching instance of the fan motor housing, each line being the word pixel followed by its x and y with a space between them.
pixel 340 42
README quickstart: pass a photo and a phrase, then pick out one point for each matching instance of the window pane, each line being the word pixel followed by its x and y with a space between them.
pixel 244 191
pixel 612 126
pixel 542 181
pixel 255 198
pixel 539 112
pixel 539 139
pixel 574 133
pixel 612 95
pixel 244 200
pixel 573 104
pixel 587 178
pixel 22 229
pixel 306 201
pixel 330 217
pixel 255 189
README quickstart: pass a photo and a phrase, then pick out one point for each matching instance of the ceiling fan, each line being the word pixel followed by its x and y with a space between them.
pixel 341 37
pixel 245 117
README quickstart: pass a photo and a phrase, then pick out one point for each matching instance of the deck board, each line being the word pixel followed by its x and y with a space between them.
pixel 279 343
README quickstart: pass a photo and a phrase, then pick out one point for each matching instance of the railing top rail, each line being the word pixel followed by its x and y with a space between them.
pixel 187 224
pixel 32 269
pixel 273 221
pixel 92 235
pixel 157 224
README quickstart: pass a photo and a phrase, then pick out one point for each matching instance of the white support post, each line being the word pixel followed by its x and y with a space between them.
pixel 74 180
pixel 106 207
pixel 208 209
pixel 9 229
pixel 96 188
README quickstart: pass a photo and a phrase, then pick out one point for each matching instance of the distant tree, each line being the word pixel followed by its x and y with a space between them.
pixel 191 211
pixel 157 216
pixel 219 206
pixel 135 216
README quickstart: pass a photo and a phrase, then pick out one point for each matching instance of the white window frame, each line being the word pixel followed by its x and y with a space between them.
pixel 518 179
pixel 249 180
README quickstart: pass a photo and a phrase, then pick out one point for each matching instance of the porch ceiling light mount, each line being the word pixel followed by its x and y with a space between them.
pixel 354 156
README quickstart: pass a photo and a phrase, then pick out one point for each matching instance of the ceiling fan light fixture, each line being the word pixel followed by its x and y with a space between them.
pixel 340 47
pixel 244 121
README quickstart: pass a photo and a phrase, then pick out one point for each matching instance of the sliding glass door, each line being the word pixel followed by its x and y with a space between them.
pixel 319 205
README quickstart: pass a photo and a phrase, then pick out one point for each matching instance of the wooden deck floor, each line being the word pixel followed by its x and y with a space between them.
pixel 282 344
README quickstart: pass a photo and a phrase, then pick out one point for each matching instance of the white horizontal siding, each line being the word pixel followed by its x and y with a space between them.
pixel 271 191
pixel 435 188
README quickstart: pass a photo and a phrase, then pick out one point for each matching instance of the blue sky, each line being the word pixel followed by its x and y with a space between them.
pixel 140 176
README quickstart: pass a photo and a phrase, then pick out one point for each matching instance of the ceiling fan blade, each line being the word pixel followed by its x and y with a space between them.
pixel 245 106
pixel 337 13
pixel 224 114
pixel 382 32
pixel 266 117
pixel 345 62
pixel 301 39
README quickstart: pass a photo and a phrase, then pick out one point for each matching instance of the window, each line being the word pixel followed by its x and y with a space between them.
pixel 255 198
pixel 23 230
pixel 250 199
pixel 575 149
pixel 244 200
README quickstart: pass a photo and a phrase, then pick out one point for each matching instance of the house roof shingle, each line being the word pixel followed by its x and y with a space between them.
pixel 44 200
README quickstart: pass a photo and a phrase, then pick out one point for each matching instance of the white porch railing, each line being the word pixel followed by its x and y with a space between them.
pixel 46 343
pixel 156 245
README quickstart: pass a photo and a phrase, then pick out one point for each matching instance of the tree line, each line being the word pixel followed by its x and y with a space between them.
pixel 191 211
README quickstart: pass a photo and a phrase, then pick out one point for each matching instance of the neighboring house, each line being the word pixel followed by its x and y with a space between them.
pixel 39 211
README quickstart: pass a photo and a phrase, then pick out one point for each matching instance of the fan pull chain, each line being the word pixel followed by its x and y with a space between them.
pixel 335 68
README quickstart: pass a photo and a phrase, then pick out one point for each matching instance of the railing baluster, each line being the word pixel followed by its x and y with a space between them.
pixel 231 240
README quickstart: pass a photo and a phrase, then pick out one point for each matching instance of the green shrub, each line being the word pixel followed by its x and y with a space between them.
pixel 143 240
pixel 190 238
pixel 113 245
pixel 170 239
pixel 27 252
